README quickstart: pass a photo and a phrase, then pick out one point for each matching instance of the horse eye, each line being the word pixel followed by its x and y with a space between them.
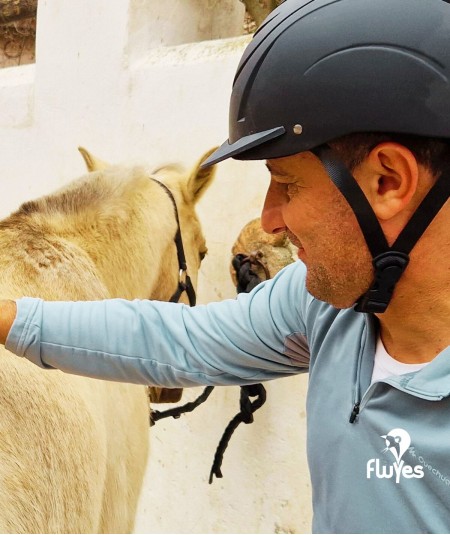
pixel 202 254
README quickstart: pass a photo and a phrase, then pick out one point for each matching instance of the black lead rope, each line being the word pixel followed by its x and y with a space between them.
pixel 244 416
pixel 247 280
pixel 176 412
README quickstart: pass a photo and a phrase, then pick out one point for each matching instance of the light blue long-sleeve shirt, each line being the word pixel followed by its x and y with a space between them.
pixel 389 471
pixel 167 344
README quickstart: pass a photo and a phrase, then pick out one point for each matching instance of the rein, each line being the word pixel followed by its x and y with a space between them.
pixel 184 281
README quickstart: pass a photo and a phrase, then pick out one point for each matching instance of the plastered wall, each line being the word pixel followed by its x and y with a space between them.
pixel 148 81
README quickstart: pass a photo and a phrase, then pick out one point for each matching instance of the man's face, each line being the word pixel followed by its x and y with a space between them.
pixel 303 201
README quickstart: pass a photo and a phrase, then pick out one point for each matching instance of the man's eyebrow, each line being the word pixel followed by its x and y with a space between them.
pixel 282 176
pixel 274 170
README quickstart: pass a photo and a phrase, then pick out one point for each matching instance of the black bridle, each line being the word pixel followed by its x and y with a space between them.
pixel 184 281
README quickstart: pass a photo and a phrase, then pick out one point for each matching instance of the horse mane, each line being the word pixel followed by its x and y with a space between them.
pixel 100 194
pixel 89 191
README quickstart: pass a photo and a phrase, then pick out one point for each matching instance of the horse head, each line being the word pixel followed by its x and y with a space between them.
pixel 145 221
pixel 168 197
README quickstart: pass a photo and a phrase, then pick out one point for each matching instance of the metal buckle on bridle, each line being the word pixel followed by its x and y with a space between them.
pixel 184 285
pixel 182 276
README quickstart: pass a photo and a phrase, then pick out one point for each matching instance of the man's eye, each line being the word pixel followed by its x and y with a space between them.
pixel 292 189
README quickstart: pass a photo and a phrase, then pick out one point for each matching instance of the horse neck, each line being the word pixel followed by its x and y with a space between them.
pixel 131 241
pixel 125 223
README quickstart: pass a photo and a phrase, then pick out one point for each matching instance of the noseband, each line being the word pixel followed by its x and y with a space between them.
pixel 184 281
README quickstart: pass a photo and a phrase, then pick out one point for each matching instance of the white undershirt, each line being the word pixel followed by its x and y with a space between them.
pixel 385 365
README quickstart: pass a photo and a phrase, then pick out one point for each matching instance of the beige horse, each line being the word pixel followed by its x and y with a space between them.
pixel 73 450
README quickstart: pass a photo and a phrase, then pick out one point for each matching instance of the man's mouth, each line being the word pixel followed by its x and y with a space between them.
pixel 294 240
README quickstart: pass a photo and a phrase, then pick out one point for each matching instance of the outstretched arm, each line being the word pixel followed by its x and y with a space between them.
pixel 8 311
pixel 236 341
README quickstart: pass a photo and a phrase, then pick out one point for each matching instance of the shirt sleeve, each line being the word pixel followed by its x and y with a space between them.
pixel 236 341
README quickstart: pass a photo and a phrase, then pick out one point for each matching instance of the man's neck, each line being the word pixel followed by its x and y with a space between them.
pixel 416 326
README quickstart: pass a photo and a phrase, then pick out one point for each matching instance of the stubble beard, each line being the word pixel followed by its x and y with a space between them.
pixel 339 289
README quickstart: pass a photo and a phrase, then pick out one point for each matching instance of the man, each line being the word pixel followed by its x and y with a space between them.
pixel 326 90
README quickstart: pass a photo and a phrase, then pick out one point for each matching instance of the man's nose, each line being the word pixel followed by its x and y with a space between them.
pixel 272 216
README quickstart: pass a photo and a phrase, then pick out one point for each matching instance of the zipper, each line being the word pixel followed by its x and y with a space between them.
pixel 354 413
pixel 356 408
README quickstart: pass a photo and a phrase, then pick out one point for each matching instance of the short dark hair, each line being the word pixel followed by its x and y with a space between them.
pixel 433 153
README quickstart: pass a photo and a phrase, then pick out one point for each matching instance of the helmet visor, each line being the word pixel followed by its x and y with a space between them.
pixel 229 150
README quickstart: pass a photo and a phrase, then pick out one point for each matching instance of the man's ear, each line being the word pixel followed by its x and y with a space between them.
pixel 391 179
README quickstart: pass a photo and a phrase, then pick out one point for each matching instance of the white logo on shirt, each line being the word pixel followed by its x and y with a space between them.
pixel 397 443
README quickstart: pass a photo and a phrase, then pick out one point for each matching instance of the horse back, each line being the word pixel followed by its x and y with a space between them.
pixel 73 450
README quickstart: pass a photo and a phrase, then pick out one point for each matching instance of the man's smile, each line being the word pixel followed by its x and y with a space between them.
pixel 294 240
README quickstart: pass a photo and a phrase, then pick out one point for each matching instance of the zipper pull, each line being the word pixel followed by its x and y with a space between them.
pixel 355 412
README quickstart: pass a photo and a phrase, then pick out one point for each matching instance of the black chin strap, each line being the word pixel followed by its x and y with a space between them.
pixel 389 262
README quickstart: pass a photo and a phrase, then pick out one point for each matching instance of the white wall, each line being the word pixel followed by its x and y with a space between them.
pixel 134 81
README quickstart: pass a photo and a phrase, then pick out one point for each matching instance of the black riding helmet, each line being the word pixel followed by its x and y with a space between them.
pixel 317 70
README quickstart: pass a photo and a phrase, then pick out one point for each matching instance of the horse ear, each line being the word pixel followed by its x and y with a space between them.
pixel 92 163
pixel 200 179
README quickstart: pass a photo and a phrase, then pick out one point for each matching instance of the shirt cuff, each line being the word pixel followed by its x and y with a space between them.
pixel 25 334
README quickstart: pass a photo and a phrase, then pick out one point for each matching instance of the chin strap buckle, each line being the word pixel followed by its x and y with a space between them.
pixel 389 267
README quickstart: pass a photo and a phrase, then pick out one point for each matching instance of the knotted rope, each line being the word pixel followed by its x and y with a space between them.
pixel 247 279
pixel 244 416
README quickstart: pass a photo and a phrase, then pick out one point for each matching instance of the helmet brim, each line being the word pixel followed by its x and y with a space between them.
pixel 231 150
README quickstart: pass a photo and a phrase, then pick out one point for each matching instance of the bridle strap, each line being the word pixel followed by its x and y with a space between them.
pixel 184 286
pixel 184 281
